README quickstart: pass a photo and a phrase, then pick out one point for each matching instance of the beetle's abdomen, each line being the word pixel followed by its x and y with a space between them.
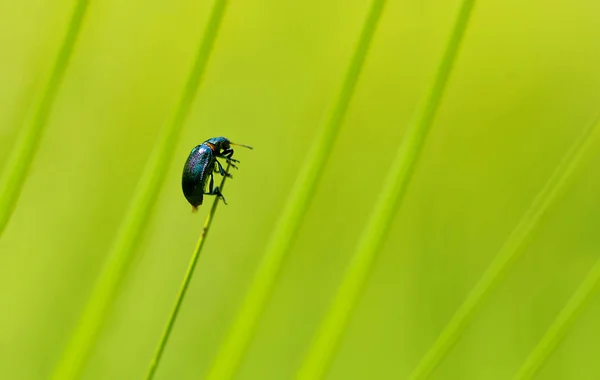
pixel 195 171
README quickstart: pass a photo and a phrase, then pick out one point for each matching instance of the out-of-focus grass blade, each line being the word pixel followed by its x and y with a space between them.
pixel 561 324
pixel 96 310
pixel 394 189
pixel 242 330
pixel 28 140
pixel 508 254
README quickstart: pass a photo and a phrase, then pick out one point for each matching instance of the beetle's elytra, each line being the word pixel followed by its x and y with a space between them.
pixel 201 164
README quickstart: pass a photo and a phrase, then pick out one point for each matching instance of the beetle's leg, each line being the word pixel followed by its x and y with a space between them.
pixel 226 154
pixel 218 193
pixel 229 162
pixel 215 190
pixel 211 184
pixel 229 153
pixel 221 171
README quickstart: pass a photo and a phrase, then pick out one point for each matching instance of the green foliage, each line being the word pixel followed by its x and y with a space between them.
pixel 25 146
pixel 122 251
pixel 522 90
pixel 244 326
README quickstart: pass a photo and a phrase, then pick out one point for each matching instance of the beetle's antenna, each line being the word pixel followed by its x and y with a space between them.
pixel 245 146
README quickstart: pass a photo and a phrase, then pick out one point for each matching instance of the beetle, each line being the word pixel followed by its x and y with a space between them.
pixel 201 164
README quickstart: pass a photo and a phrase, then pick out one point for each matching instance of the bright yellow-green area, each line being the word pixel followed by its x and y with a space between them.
pixel 525 85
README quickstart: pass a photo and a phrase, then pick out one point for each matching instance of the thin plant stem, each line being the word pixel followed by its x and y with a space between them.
pixel 509 253
pixel 327 339
pixel 244 325
pixel 184 286
pixel 22 155
pixel 121 254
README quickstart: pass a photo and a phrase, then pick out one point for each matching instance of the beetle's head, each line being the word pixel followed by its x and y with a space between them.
pixel 221 143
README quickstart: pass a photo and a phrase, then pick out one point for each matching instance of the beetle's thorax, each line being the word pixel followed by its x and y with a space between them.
pixel 212 147
pixel 219 143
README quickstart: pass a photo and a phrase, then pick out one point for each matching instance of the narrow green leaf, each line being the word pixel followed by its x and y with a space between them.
pixel 509 253
pixel 560 326
pixel 19 161
pixel 392 195
pixel 572 309
pixel 243 328
pixel 98 307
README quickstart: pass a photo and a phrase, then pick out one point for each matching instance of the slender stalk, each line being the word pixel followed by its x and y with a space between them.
pixel 184 286
pixel 392 195
pixel 121 254
pixel 19 161
pixel 243 328
pixel 563 321
pixel 509 253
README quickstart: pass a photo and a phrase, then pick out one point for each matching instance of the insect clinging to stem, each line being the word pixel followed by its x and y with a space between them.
pixel 200 166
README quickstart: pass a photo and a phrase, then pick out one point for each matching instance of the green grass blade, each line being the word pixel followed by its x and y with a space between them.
pixel 561 324
pixel 508 254
pixel 27 143
pixel 565 319
pixel 118 259
pixel 326 342
pixel 242 330
pixel 184 285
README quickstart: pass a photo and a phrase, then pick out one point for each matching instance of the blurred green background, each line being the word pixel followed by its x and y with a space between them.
pixel 526 82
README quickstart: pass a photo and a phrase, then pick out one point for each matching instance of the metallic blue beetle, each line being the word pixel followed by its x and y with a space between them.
pixel 201 164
